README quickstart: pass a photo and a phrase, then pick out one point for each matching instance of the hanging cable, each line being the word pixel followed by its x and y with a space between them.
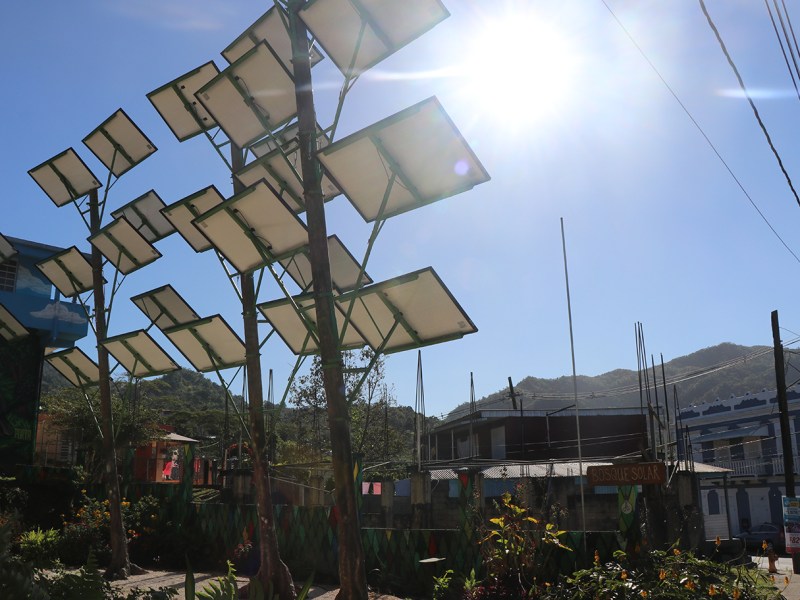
pixel 780 43
pixel 702 132
pixel 724 49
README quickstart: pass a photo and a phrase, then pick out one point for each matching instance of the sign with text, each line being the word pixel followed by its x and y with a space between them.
pixel 791 523
pixel 627 474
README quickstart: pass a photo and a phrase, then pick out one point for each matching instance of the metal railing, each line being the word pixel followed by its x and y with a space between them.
pixel 754 467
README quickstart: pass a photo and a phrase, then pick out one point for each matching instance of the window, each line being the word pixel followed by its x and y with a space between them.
pixel 8 276
pixel 713 503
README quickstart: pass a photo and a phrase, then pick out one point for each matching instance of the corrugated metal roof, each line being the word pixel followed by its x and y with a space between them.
pixel 565 469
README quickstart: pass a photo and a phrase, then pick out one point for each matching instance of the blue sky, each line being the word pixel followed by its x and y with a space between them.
pixel 657 230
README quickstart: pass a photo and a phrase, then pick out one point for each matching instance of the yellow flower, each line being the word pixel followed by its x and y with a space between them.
pixel 736 593
pixel 643 594
pixel 624 574
pixel 712 591
pixel 662 574
pixel 764 545
pixel 717 541
pixel 676 552
pixel 689 585
pixel 596 557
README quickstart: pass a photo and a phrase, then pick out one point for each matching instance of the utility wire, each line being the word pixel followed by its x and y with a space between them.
pixel 749 98
pixel 702 132
pixel 780 42
pixel 791 30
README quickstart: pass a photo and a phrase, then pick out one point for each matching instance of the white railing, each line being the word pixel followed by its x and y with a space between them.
pixel 754 467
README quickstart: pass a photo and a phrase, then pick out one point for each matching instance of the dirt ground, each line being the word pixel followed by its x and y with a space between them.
pixel 177 579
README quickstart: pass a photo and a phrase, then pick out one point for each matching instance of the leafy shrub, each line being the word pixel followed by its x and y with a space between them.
pixel 89 528
pixel 16 576
pixel 39 546
pixel 661 575
pixel 515 548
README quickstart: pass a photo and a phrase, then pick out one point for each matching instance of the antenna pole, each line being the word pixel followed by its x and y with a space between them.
pixel 574 385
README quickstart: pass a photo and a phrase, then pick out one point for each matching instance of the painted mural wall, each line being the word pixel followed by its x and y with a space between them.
pixel 20 368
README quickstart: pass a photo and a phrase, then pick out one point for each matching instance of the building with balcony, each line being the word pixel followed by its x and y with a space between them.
pixel 33 318
pixel 741 434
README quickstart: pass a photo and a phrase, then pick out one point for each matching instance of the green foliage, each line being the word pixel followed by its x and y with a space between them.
pixel 752 375
pixel 85 584
pixel 381 430
pixel 134 424
pixel 11 498
pixel 515 548
pixel 89 528
pixel 39 546
pixel 222 588
pixel 441 585
pixel 16 576
pixel 662 575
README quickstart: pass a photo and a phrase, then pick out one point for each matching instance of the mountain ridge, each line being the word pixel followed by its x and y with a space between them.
pixel 701 376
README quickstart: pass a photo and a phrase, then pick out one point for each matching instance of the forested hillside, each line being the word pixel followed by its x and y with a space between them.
pixel 715 372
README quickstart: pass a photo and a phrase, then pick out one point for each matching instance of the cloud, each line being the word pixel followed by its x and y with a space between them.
pixel 758 93
pixel 56 309
pixel 29 282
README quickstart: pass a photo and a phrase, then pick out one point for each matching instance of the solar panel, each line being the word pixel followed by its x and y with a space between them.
pixel 417 155
pixel 69 271
pixel 407 312
pixel 344 267
pixel 270 27
pixel 140 354
pixel 294 329
pixel 208 344
pixel 253 228
pixel 165 307
pixel 65 177
pixel 358 34
pixel 176 103
pixel 123 246
pixel 279 165
pixel 183 212
pixel 251 97
pixel 10 328
pixel 6 249
pixel 75 366
pixel 119 144
pixel 144 213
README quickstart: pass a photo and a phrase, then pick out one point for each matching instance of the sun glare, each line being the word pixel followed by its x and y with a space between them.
pixel 519 69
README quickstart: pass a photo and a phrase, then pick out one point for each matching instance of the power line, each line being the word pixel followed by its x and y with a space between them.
pixel 702 132
pixel 749 98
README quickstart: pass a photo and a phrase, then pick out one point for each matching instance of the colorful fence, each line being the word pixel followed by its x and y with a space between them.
pixel 308 544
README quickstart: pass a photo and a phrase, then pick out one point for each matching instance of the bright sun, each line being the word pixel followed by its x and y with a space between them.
pixel 519 69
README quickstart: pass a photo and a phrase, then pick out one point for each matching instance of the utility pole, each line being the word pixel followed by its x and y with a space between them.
pixel 513 395
pixel 783 411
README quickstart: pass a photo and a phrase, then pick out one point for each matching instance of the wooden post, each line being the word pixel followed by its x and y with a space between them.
pixel 120 566
pixel 352 570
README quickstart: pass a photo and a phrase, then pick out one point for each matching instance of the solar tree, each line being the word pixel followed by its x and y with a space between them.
pixel 262 104
pixel 122 246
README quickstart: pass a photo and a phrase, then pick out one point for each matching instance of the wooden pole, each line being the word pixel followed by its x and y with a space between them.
pixel 352 571
pixel 120 566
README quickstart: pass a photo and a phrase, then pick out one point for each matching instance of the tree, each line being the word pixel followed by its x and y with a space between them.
pixel 72 411
pixel 381 431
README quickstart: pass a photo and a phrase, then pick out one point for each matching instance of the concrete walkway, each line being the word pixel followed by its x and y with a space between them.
pixel 790 591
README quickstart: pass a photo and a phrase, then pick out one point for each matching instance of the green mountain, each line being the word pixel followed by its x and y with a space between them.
pixel 716 372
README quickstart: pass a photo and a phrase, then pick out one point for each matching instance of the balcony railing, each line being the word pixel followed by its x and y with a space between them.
pixel 755 467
